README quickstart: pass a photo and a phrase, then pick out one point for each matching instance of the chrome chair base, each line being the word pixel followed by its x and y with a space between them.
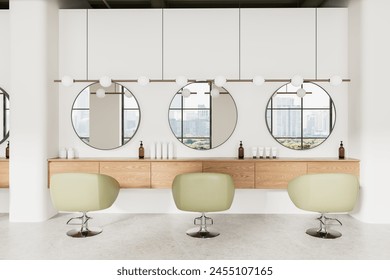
pixel 86 233
pixel 323 231
pixel 201 231
pixel 84 230
pixel 198 233
pixel 328 234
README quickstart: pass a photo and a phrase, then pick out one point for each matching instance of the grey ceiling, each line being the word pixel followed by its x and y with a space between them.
pixel 146 4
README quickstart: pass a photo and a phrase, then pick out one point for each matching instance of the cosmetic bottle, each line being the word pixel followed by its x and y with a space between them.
pixel 141 151
pixel 62 153
pixel 267 152
pixel 241 151
pixel 7 150
pixel 341 151
pixel 153 151
pixel 254 152
pixel 261 152
pixel 70 153
pixel 170 150
pixel 274 152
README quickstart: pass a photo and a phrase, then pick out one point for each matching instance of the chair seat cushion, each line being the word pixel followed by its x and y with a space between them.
pixel 203 192
pixel 324 193
pixel 83 192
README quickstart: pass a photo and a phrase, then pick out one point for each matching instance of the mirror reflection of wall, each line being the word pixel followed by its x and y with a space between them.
pixel 105 120
pixel 4 115
pixel 300 123
pixel 199 120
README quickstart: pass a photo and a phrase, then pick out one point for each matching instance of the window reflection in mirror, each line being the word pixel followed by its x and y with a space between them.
pixel 300 123
pixel 105 122
pixel 201 121
pixel 4 115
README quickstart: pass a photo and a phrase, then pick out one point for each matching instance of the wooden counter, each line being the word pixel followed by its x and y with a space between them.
pixel 246 173
pixel 4 173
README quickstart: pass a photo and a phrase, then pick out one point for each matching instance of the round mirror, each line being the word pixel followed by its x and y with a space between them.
pixel 105 118
pixel 202 116
pixel 4 116
pixel 300 118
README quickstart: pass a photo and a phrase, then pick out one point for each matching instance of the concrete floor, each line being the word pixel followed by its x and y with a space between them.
pixel 162 237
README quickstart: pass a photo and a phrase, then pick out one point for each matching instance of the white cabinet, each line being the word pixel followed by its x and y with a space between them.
pixel 278 43
pixel 73 43
pixel 125 44
pixel 201 43
pixel 4 49
pixel 332 42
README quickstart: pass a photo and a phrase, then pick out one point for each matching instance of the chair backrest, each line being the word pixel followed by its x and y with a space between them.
pixel 203 192
pixel 324 193
pixel 83 192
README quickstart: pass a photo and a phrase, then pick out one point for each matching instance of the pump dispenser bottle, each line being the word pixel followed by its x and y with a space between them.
pixel 341 151
pixel 141 151
pixel 7 150
pixel 241 151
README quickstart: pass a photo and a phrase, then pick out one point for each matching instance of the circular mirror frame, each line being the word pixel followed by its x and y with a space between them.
pixel 235 107
pixel 7 134
pixel 333 108
pixel 74 129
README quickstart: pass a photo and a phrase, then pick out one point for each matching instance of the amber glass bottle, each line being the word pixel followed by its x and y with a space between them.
pixel 7 150
pixel 241 151
pixel 341 151
pixel 141 151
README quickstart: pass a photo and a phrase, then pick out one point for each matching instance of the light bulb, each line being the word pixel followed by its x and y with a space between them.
pixel 105 81
pixel 297 81
pixel 258 80
pixel 220 81
pixel 181 81
pixel 100 93
pixel 301 92
pixel 128 94
pixel 67 81
pixel 214 92
pixel 335 80
pixel 143 81
pixel 186 92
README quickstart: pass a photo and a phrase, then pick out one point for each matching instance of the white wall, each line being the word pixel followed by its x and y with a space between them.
pixel 154 100
pixel 278 43
pixel 4 83
pixel 369 130
pixel 34 103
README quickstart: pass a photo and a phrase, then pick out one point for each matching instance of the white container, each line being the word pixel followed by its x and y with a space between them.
pixel 274 152
pixel 70 153
pixel 254 152
pixel 261 152
pixel 267 152
pixel 158 150
pixel 63 153
pixel 153 150
pixel 164 150
pixel 170 150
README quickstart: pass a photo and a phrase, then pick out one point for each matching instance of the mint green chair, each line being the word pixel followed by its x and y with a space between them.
pixel 203 192
pixel 83 192
pixel 324 193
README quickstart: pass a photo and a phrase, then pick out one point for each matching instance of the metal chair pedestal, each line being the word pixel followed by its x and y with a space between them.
pixel 202 231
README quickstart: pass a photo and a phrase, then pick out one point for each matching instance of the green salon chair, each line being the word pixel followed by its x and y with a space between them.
pixel 324 193
pixel 83 192
pixel 203 192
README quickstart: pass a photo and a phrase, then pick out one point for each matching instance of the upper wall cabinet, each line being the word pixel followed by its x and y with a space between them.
pixel 73 43
pixel 200 43
pixel 278 43
pixel 125 44
pixel 4 48
pixel 332 42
